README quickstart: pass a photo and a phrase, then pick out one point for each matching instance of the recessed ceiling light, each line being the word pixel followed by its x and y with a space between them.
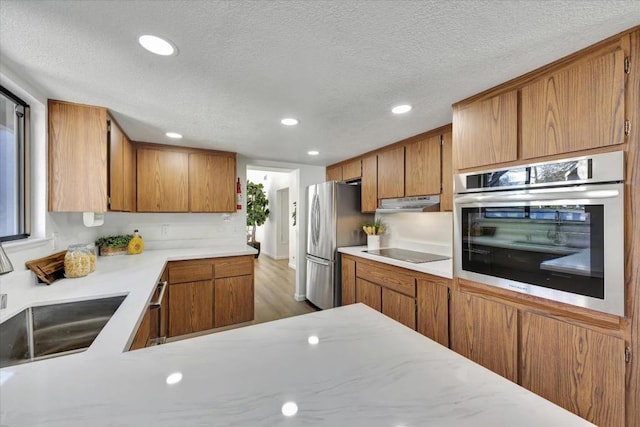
pixel 173 135
pixel 401 109
pixel 289 121
pixel 289 409
pixel 157 45
pixel 313 153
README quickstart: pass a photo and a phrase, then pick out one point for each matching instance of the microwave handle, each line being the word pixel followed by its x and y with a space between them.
pixel 530 195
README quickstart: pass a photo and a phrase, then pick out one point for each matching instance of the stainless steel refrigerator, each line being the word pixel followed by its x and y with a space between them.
pixel 334 220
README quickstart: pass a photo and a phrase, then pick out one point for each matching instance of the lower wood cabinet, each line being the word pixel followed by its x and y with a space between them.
pixel 143 334
pixel 369 294
pixel 579 369
pixel 233 300
pixel 399 307
pixel 433 309
pixel 486 332
pixel 190 307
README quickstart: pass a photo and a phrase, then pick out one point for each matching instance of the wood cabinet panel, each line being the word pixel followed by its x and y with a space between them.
pixel 212 183
pixel 233 266
pixel 352 170
pixel 116 167
pixel 129 166
pixel 391 173
pixel 577 108
pixel 485 132
pixel 143 333
pixel 399 307
pixel 77 158
pixel 369 184
pixel 369 293
pixel 334 173
pixel 433 309
pixel 190 307
pixel 233 300
pixel 348 281
pixel 422 167
pixel 162 181
pixel 579 369
pixel 190 271
pixel 485 332
pixel 390 277
pixel 446 195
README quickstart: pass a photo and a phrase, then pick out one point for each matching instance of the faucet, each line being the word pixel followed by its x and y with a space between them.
pixel 5 267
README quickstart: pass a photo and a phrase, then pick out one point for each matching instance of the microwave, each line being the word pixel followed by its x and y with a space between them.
pixel 553 230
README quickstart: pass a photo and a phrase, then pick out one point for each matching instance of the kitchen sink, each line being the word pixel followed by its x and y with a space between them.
pixel 54 330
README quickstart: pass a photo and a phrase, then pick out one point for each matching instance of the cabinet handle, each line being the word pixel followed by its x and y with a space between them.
pixel 157 303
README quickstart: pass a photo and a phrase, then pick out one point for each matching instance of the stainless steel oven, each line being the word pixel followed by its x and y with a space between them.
pixel 553 229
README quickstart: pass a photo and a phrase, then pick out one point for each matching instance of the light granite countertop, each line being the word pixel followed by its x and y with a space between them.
pixel 436 268
pixel 349 366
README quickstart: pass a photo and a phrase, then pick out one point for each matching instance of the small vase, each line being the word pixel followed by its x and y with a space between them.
pixel 373 241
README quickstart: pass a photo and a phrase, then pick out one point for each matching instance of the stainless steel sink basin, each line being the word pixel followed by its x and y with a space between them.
pixel 54 330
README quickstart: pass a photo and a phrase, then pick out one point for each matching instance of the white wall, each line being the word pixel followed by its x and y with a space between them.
pixel 421 231
pixel 293 229
pixel 307 175
pixel 267 234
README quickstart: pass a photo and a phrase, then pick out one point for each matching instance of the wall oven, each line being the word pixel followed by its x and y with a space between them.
pixel 553 230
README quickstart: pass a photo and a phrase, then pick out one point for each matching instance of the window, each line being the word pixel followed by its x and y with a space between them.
pixel 14 185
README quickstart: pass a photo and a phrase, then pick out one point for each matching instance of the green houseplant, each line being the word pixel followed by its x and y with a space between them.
pixel 113 245
pixel 257 211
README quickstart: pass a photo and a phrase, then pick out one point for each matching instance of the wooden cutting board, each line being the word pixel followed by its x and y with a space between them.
pixel 48 269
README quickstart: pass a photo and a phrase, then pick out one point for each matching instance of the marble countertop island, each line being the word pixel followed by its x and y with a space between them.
pixel 349 366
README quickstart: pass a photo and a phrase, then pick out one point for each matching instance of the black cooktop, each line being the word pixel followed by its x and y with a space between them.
pixel 407 255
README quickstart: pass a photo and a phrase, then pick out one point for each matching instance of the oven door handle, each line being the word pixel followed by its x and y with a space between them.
pixel 546 194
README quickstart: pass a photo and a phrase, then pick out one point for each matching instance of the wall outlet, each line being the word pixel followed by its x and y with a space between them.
pixel 164 230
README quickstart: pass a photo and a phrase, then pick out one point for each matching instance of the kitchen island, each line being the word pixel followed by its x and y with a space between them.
pixel 349 366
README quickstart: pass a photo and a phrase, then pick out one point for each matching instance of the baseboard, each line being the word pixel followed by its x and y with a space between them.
pixel 274 257
pixel 300 297
pixel 292 266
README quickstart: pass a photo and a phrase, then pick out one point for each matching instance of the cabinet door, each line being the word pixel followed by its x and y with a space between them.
pixel 162 178
pixel 577 108
pixel 433 310
pixel 143 333
pixel 334 173
pixel 77 158
pixel 212 183
pixel 348 281
pixel 190 307
pixel 422 162
pixel 399 307
pixel 486 131
pixel 391 173
pixel 446 196
pixel 129 175
pixel 369 184
pixel 116 167
pixel 352 170
pixel 233 300
pixel 485 332
pixel 576 368
pixel 369 294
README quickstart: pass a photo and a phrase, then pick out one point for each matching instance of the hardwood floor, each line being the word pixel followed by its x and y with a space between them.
pixel 274 290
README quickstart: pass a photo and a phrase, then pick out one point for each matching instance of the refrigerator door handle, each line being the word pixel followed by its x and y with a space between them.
pixel 318 261
pixel 315 220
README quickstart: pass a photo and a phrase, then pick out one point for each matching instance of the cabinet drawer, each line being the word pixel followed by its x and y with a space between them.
pixel 190 271
pixel 392 278
pixel 236 266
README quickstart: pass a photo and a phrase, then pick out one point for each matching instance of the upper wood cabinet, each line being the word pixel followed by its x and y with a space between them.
pixel 211 182
pixel 486 131
pixel 579 369
pixel 162 177
pixel 334 173
pixel 77 157
pixel 352 170
pixel 369 184
pixel 486 332
pixel 577 108
pixel 121 169
pixel 422 167
pixel 391 173
pixel 446 195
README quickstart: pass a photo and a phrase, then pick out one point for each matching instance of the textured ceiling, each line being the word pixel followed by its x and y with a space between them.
pixel 338 66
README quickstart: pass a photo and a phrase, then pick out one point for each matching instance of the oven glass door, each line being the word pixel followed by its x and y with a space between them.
pixel 565 245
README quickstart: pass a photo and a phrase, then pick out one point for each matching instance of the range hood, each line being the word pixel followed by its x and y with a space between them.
pixel 410 204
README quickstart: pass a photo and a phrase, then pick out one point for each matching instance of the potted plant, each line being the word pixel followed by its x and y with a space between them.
pixel 113 245
pixel 257 211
